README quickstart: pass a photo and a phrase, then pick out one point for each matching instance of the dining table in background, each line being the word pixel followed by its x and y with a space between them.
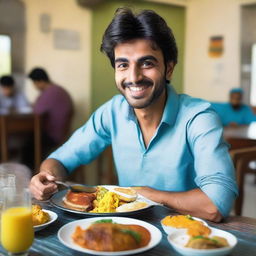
pixel 46 241
pixel 241 136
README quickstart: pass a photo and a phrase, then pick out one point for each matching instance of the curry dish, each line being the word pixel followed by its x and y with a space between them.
pixel 111 237
pixel 194 227
pixel 201 242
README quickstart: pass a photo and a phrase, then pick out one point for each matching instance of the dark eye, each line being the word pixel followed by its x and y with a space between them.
pixel 147 64
pixel 122 65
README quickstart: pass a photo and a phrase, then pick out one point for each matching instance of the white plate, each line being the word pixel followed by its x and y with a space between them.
pixel 53 217
pixel 179 239
pixel 65 233
pixel 57 201
pixel 169 230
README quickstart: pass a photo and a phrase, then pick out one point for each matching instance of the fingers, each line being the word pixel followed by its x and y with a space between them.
pixel 43 186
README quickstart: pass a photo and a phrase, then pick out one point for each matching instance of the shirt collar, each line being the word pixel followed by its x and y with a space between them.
pixel 171 106
pixel 170 109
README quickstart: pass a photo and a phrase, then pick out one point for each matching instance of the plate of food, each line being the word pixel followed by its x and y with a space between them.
pixel 106 201
pixel 109 236
pixel 194 226
pixel 217 243
pixel 42 218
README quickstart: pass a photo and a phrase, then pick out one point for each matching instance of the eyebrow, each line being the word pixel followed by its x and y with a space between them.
pixel 147 57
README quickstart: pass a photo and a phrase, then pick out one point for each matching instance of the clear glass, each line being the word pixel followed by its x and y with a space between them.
pixel 17 233
pixel 6 181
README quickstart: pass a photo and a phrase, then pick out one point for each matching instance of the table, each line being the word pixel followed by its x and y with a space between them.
pixel 47 244
pixel 241 136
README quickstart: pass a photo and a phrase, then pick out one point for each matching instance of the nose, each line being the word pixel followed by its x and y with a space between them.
pixel 135 74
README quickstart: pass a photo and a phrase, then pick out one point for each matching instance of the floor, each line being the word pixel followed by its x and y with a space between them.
pixel 249 207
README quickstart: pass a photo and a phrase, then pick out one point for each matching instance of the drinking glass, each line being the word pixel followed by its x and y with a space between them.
pixel 6 181
pixel 17 233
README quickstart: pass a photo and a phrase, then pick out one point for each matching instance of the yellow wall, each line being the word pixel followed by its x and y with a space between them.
pixel 206 77
pixel 69 68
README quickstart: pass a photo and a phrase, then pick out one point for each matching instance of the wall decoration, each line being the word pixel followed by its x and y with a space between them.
pixel 66 39
pixel 216 46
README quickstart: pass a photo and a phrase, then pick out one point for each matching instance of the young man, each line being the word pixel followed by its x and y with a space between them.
pixel 171 145
pixel 234 112
pixel 11 99
pixel 55 104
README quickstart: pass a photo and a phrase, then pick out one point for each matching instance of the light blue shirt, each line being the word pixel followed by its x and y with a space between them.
pixel 186 152
pixel 18 102
pixel 242 116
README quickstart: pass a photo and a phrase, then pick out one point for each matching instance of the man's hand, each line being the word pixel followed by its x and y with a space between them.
pixel 149 193
pixel 42 185
pixel 194 202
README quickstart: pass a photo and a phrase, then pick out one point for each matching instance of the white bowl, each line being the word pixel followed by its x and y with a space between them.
pixel 53 217
pixel 179 239
pixel 169 230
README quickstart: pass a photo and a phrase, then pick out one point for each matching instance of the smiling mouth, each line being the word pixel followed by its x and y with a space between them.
pixel 138 92
pixel 137 88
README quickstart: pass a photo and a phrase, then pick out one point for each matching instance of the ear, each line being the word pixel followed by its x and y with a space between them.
pixel 169 70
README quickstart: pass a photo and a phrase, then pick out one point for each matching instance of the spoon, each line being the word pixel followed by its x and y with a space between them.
pixel 77 187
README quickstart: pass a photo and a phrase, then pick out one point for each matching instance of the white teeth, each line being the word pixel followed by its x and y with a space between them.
pixel 136 89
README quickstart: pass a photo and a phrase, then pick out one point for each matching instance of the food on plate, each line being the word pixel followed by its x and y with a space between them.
pixel 104 200
pixel 133 206
pixel 108 236
pixel 39 217
pixel 194 227
pixel 202 242
pixel 80 201
pixel 108 203
pixel 126 194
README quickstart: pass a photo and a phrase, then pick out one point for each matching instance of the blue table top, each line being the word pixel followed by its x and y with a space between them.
pixel 46 242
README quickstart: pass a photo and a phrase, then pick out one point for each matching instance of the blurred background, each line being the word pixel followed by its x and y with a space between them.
pixel 216 42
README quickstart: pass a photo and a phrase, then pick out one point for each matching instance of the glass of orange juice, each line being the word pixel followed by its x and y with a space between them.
pixel 17 233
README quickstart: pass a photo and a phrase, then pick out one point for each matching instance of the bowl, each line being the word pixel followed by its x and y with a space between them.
pixel 169 230
pixel 179 238
pixel 53 217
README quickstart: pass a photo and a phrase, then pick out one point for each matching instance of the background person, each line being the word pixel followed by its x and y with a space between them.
pixel 55 106
pixel 235 112
pixel 12 100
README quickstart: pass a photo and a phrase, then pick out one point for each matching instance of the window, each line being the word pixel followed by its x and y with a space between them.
pixel 253 77
pixel 5 55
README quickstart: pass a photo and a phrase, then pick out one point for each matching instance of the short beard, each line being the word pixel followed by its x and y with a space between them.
pixel 153 98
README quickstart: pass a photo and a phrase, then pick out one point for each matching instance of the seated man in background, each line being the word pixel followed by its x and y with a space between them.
pixel 169 145
pixel 235 112
pixel 12 100
pixel 55 106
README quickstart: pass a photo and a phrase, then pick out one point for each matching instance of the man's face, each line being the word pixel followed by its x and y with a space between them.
pixel 7 91
pixel 140 72
pixel 236 100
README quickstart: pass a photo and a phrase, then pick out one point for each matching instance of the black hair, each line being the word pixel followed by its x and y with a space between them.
pixel 7 81
pixel 147 24
pixel 39 74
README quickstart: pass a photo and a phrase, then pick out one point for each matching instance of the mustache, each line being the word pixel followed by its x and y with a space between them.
pixel 145 82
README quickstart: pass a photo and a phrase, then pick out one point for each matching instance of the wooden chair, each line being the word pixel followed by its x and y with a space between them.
pixel 20 124
pixel 242 159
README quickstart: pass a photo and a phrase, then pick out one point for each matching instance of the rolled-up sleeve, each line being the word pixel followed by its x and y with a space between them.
pixel 213 165
pixel 86 143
